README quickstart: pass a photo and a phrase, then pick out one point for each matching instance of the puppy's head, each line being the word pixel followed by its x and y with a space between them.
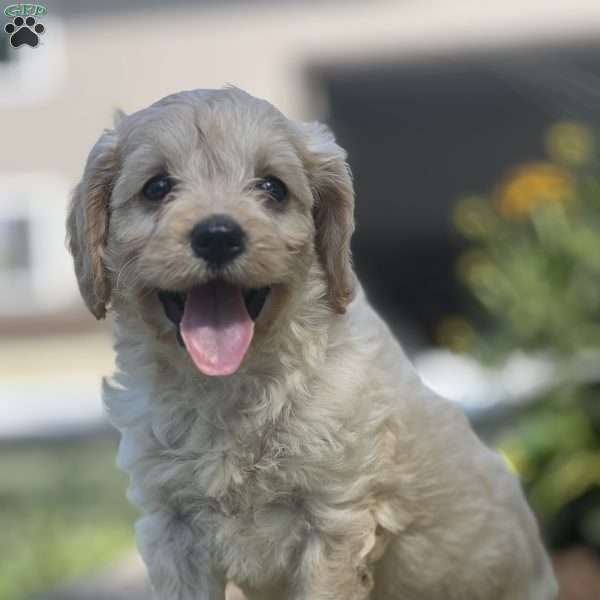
pixel 208 212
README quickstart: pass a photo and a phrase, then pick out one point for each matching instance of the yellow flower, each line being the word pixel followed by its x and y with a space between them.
pixel 569 143
pixel 531 185
pixel 473 217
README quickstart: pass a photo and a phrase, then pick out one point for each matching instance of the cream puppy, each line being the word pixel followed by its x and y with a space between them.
pixel 275 434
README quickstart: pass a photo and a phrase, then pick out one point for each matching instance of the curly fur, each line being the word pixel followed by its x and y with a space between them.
pixel 323 468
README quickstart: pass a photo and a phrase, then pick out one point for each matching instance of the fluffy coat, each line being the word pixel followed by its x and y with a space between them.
pixel 322 469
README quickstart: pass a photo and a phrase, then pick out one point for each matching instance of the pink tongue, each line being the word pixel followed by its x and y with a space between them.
pixel 216 327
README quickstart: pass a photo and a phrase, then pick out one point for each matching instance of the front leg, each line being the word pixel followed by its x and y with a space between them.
pixel 178 559
pixel 339 564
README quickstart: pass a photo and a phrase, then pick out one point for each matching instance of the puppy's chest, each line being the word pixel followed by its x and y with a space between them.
pixel 256 536
pixel 257 514
pixel 246 484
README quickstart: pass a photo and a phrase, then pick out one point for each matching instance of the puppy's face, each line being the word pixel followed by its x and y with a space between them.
pixel 208 212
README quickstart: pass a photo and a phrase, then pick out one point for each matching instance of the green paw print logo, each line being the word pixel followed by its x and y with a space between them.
pixel 24 30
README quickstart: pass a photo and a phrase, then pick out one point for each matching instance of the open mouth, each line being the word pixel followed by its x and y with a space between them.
pixel 215 322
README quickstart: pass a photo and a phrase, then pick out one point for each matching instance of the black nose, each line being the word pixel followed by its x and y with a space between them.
pixel 218 240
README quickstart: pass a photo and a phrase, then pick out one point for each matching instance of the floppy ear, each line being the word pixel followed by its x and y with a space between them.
pixel 87 224
pixel 331 182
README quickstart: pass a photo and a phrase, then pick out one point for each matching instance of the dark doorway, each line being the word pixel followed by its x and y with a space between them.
pixel 424 134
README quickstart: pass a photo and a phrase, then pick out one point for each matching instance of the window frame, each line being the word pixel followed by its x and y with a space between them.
pixel 47 284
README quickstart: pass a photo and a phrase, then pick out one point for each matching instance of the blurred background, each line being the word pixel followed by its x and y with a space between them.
pixel 473 133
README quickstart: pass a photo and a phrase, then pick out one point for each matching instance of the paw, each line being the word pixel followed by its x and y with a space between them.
pixel 24 31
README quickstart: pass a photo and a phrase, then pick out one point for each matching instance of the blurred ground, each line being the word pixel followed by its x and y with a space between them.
pixel 578 572
pixel 577 569
pixel 126 581
pixel 63 512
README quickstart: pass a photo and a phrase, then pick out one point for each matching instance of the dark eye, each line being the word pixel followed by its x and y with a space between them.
pixel 157 188
pixel 274 187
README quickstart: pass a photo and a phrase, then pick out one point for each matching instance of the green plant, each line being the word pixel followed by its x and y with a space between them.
pixel 533 267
